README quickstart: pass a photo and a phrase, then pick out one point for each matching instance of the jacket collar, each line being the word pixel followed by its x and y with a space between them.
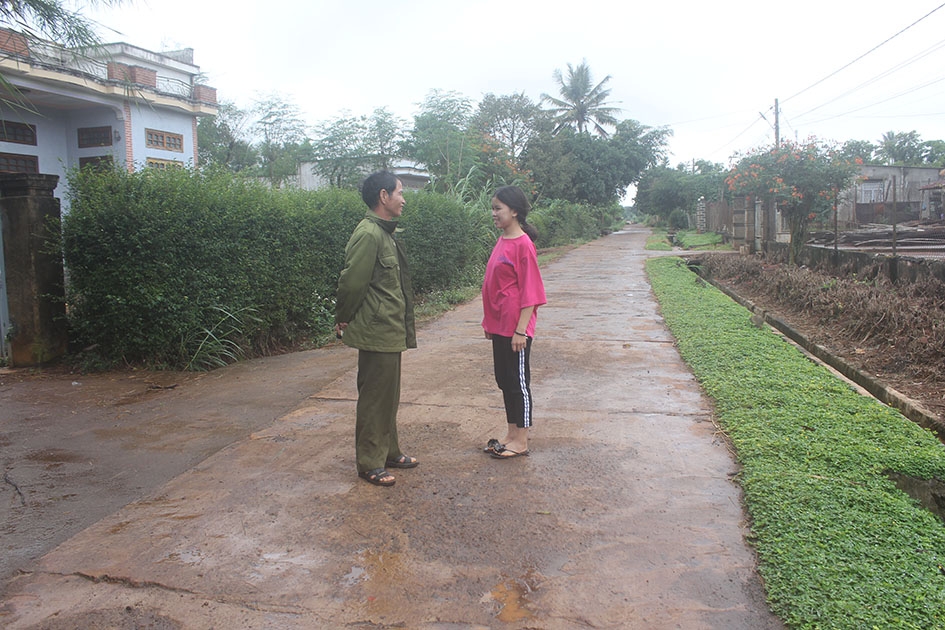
pixel 389 226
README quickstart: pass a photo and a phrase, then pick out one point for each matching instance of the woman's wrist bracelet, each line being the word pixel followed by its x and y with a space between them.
pixel 520 334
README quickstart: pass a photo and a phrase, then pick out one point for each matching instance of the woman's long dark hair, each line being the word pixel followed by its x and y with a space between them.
pixel 515 198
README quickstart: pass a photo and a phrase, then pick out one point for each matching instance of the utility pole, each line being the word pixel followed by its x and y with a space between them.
pixel 777 126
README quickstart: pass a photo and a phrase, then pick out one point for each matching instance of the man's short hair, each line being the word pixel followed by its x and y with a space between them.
pixel 373 185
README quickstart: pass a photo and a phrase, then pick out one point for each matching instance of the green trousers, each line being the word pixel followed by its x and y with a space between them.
pixel 375 432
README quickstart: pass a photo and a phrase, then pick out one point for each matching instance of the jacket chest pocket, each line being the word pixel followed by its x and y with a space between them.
pixel 387 273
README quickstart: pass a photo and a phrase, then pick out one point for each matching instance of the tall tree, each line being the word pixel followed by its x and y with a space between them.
pixel 862 150
pixel 385 136
pixel 933 153
pixel 347 147
pixel 282 138
pixel 582 104
pixel 900 148
pixel 441 138
pixel 223 140
pixel 510 120
pixel 583 168
pixel 340 153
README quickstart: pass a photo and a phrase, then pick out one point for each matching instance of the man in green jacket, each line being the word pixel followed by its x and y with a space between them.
pixel 374 313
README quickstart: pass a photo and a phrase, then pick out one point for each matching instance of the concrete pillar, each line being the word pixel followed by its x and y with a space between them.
pixel 34 272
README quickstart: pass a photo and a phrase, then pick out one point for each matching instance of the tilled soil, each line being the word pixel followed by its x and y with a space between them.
pixel 894 332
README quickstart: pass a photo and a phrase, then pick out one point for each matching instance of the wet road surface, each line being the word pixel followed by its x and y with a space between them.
pixel 625 514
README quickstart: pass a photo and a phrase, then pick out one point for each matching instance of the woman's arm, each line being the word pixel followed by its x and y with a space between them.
pixel 519 341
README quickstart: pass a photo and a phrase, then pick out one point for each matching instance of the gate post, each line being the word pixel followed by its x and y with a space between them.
pixel 34 274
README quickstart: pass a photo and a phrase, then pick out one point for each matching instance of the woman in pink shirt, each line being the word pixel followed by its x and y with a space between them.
pixel 512 291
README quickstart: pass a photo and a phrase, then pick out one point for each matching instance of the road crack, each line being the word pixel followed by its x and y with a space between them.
pixel 6 479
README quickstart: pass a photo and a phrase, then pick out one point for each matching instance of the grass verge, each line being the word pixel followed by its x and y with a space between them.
pixel 658 241
pixel 693 240
pixel 839 545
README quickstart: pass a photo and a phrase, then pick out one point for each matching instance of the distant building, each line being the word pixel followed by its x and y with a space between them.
pixel 413 175
pixel 870 198
pixel 112 104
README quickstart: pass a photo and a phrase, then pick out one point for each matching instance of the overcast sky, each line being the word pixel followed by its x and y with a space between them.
pixel 710 71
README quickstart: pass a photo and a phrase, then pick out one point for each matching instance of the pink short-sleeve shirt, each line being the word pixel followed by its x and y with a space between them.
pixel 512 282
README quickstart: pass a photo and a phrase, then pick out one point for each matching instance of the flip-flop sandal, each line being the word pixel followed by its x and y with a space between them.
pixel 404 461
pixel 497 453
pixel 492 445
pixel 378 476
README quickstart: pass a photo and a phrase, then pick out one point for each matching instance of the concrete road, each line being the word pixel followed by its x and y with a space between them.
pixel 624 516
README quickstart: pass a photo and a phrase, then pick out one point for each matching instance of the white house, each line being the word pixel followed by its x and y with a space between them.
pixel 115 103
pixel 63 108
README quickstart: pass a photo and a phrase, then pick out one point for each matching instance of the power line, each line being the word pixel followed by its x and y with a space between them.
pixel 879 76
pixel 739 135
pixel 885 100
pixel 883 43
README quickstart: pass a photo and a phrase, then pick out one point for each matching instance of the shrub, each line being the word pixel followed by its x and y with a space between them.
pixel 562 222
pixel 678 219
pixel 156 257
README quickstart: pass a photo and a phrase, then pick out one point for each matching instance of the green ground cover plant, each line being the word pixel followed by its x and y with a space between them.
pixel 658 241
pixel 839 545
pixel 691 239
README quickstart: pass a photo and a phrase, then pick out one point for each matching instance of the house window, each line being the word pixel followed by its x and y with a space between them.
pixel 95 137
pixel 165 140
pixel 17 132
pixel 15 163
pixel 871 192
pixel 98 162
pixel 164 164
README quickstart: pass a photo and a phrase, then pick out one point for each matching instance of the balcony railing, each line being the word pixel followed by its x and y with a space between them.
pixel 54 57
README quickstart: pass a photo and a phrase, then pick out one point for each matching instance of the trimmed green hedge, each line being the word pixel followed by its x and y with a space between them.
pixel 840 546
pixel 181 268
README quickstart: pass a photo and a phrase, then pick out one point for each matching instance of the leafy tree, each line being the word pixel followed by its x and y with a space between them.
pixel 900 148
pixel 283 144
pixel 803 178
pixel 348 147
pixel 223 140
pixel 510 120
pixel 385 136
pixel 581 105
pixel 552 163
pixel 663 189
pixel 441 138
pixel 862 150
pixel 340 152
pixel 933 153
pixel 582 168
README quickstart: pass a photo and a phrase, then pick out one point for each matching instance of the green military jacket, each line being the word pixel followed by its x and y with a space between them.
pixel 375 296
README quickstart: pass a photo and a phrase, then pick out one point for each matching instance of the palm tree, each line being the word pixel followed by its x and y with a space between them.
pixel 581 105
pixel 900 148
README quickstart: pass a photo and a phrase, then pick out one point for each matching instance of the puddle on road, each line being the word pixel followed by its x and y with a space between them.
pixel 929 492
pixel 512 594
pixel 354 576
pixel 380 568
